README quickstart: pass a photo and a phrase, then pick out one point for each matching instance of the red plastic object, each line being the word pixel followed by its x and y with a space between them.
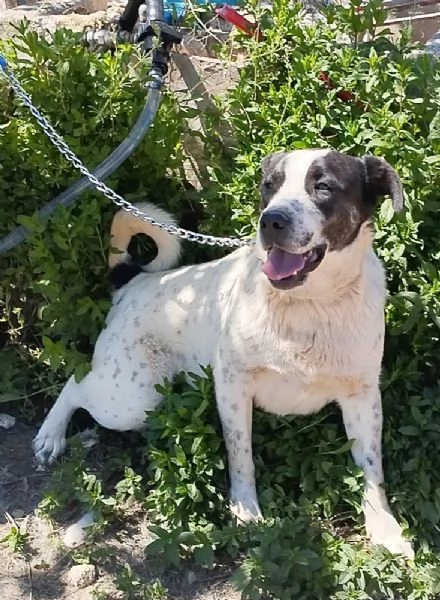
pixel 343 95
pixel 232 16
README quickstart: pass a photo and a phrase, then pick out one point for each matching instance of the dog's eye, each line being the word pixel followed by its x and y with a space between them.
pixel 321 186
pixel 267 186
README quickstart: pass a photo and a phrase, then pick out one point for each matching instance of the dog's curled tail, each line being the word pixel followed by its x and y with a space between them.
pixel 124 226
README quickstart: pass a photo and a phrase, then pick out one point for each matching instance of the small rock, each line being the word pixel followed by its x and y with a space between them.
pixel 6 421
pixel 60 7
pixel 89 438
pixel 433 45
pixel 18 513
pixel 80 576
pixel 191 577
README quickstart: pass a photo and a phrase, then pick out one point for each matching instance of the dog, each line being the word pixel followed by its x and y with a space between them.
pixel 289 324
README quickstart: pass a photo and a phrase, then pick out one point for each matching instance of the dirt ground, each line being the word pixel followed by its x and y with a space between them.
pixel 44 570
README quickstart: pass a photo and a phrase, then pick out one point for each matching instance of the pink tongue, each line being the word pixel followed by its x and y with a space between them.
pixel 281 264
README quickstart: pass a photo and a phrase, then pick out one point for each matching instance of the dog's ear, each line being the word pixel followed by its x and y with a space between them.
pixel 271 162
pixel 382 180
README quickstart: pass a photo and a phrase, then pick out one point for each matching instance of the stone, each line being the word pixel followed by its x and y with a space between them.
pixel 6 421
pixel 433 45
pixel 81 576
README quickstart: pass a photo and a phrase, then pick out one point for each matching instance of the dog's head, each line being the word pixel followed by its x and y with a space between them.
pixel 314 206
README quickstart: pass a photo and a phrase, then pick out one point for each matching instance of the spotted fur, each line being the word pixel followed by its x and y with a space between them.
pixel 288 351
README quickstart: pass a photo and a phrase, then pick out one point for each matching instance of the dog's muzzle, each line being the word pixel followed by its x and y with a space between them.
pixel 283 268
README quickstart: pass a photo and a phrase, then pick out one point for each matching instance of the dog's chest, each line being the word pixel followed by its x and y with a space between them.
pixel 294 395
pixel 301 372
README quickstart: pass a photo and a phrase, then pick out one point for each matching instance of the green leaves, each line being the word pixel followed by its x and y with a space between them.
pixel 132 588
pixel 186 455
pixel 54 295
pixel 16 538
pixel 59 275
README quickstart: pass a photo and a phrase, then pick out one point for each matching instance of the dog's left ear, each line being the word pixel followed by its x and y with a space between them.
pixel 382 180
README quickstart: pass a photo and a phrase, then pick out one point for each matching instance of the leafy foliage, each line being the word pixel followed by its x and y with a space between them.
pixel 54 293
pixel 16 538
pixel 132 587
pixel 310 544
pixel 187 467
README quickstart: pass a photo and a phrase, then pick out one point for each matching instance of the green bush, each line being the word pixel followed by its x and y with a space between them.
pixel 310 545
pixel 281 103
pixel 54 293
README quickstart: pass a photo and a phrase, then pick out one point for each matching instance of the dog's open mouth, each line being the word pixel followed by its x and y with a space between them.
pixel 283 267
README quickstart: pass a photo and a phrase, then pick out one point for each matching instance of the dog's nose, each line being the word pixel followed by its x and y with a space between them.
pixel 274 220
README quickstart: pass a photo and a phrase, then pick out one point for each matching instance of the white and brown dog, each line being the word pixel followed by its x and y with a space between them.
pixel 288 325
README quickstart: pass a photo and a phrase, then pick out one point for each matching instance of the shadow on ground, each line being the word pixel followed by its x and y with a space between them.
pixel 41 572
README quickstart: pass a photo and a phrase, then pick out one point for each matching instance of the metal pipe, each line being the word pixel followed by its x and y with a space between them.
pixel 403 4
pixel 435 15
pixel 155 10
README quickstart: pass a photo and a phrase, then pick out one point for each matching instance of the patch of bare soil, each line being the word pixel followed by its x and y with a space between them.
pixel 45 569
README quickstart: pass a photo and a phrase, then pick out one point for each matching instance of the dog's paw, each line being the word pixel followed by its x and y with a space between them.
pixel 246 511
pixel 398 545
pixel 47 446
pixel 383 530
pixel 76 534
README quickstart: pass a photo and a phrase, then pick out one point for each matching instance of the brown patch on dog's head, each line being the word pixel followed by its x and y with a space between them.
pixel 382 180
pixel 316 202
pixel 346 190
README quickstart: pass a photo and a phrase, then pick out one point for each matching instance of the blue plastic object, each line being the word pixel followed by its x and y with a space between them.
pixel 3 63
pixel 174 10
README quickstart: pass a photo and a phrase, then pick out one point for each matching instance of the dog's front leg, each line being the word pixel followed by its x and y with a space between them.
pixel 234 402
pixel 363 423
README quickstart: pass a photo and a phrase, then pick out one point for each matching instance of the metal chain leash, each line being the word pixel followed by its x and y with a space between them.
pixel 60 144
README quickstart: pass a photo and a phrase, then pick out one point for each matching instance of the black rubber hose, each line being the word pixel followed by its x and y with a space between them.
pixel 130 15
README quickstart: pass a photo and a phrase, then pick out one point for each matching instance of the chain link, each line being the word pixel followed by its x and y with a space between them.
pixel 63 148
